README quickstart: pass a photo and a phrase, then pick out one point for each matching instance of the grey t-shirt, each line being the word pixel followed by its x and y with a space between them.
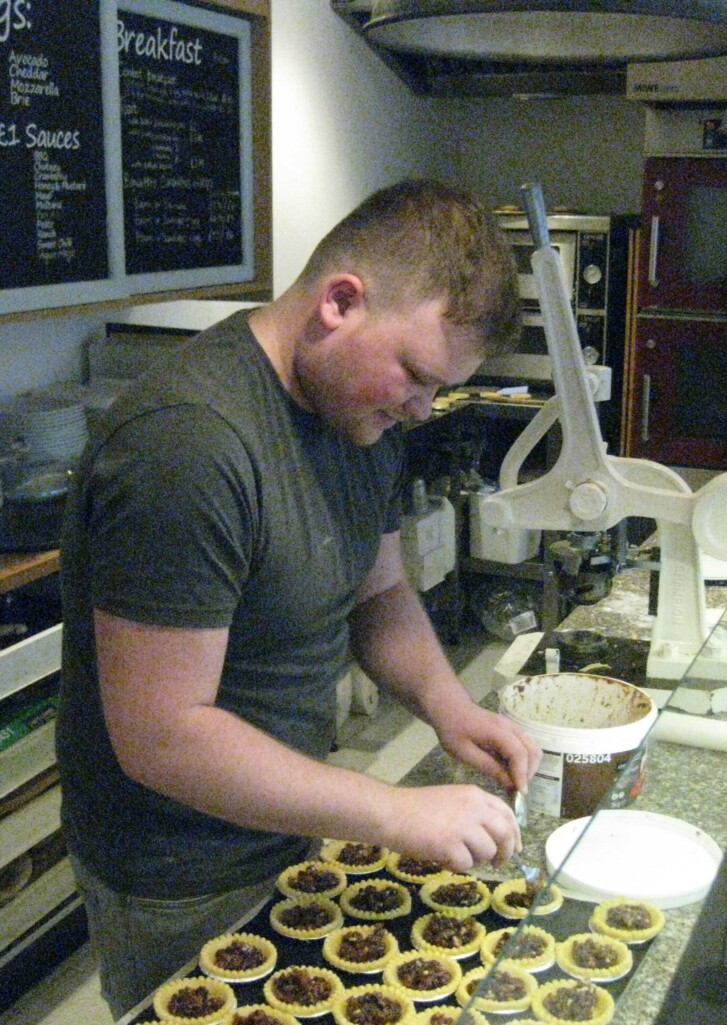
pixel 213 500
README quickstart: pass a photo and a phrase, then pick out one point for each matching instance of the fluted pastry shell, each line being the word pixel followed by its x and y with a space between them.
pixel 443 1014
pixel 214 987
pixel 286 879
pixel 336 851
pixel 393 978
pixel 332 942
pixel 486 1002
pixel 545 907
pixel 602 1014
pixel 241 1014
pixel 535 963
pixel 411 870
pixel 353 890
pixel 340 1011
pixel 331 909
pixel 433 896
pixel 210 950
pixel 464 949
pixel 297 1009
pixel 564 955
pixel 599 920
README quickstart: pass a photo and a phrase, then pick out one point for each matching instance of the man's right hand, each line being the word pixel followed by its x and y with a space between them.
pixel 459 826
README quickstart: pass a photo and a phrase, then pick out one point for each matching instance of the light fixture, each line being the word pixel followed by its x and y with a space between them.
pixel 552 31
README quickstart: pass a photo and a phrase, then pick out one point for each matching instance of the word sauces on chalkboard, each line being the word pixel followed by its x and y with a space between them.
pixel 180 142
pixel 52 176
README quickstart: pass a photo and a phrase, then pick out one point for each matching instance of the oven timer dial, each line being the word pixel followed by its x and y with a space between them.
pixel 592 274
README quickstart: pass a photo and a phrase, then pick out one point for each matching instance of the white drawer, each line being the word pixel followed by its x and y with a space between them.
pixel 30 660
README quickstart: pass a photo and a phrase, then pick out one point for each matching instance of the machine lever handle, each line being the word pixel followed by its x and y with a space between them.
pixel 534 204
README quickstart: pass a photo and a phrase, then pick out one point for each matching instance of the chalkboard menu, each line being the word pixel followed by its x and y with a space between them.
pixel 52 176
pixel 127 154
pixel 180 143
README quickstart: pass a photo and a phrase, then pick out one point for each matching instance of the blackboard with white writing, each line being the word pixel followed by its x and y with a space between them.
pixel 127 152
pixel 180 143
pixel 52 172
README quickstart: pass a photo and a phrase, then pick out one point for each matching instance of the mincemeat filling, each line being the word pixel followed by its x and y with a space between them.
pixel 526 898
pixel 313 880
pixel 444 931
pixel 628 916
pixel 592 954
pixel 298 986
pixel 575 1003
pixel 421 973
pixel 306 916
pixel 238 956
pixel 256 1017
pixel 377 898
pixel 372 1009
pixel 457 895
pixel 359 854
pixel 413 867
pixel 504 987
pixel 194 1002
pixel 526 945
pixel 358 946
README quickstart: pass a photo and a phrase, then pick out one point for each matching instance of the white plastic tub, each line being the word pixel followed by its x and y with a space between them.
pixel 591 730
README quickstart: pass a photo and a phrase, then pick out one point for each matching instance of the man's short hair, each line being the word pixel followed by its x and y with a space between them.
pixel 422 239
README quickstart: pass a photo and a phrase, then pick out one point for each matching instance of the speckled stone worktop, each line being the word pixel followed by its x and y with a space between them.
pixel 689 783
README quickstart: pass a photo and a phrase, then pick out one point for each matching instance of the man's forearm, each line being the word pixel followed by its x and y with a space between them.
pixel 393 641
pixel 223 766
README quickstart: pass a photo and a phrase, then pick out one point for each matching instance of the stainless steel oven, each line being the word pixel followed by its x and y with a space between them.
pixel 594 251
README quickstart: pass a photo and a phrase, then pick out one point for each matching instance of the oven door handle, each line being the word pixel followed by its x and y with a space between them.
pixel 645 406
pixel 653 251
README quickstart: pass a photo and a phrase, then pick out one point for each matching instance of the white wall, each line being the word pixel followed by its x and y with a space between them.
pixel 344 125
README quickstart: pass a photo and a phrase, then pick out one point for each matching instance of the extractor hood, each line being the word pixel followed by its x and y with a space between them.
pixel 481 48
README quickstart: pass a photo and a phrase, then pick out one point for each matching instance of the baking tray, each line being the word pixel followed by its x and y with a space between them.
pixel 571 918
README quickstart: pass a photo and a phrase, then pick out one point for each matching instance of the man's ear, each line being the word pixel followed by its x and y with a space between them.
pixel 341 294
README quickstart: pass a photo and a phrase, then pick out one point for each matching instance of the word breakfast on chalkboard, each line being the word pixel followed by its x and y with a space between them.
pixel 125 150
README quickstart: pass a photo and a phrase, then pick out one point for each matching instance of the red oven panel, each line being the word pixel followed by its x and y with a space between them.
pixel 679 392
pixel 683 264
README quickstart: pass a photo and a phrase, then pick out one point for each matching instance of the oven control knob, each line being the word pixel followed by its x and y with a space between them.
pixel 590 355
pixel 592 274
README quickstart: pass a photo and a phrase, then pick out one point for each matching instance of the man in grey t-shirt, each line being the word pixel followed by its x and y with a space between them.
pixel 231 539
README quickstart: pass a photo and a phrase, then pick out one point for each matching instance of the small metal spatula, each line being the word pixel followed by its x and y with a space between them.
pixel 531 873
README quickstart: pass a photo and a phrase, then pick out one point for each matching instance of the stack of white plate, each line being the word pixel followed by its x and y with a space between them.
pixel 50 429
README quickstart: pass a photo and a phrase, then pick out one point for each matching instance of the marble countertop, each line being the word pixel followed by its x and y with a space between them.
pixel 688 783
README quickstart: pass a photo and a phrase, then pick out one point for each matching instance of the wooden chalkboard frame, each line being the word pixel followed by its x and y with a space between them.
pixel 119 288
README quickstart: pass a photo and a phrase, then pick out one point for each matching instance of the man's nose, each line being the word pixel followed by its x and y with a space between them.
pixel 419 406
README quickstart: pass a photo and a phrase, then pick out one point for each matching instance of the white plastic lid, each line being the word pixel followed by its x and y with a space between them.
pixel 636 854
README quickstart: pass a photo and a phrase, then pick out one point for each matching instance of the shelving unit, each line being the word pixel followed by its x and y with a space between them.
pixel 486 428
pixel 41 915
pixel 16 570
